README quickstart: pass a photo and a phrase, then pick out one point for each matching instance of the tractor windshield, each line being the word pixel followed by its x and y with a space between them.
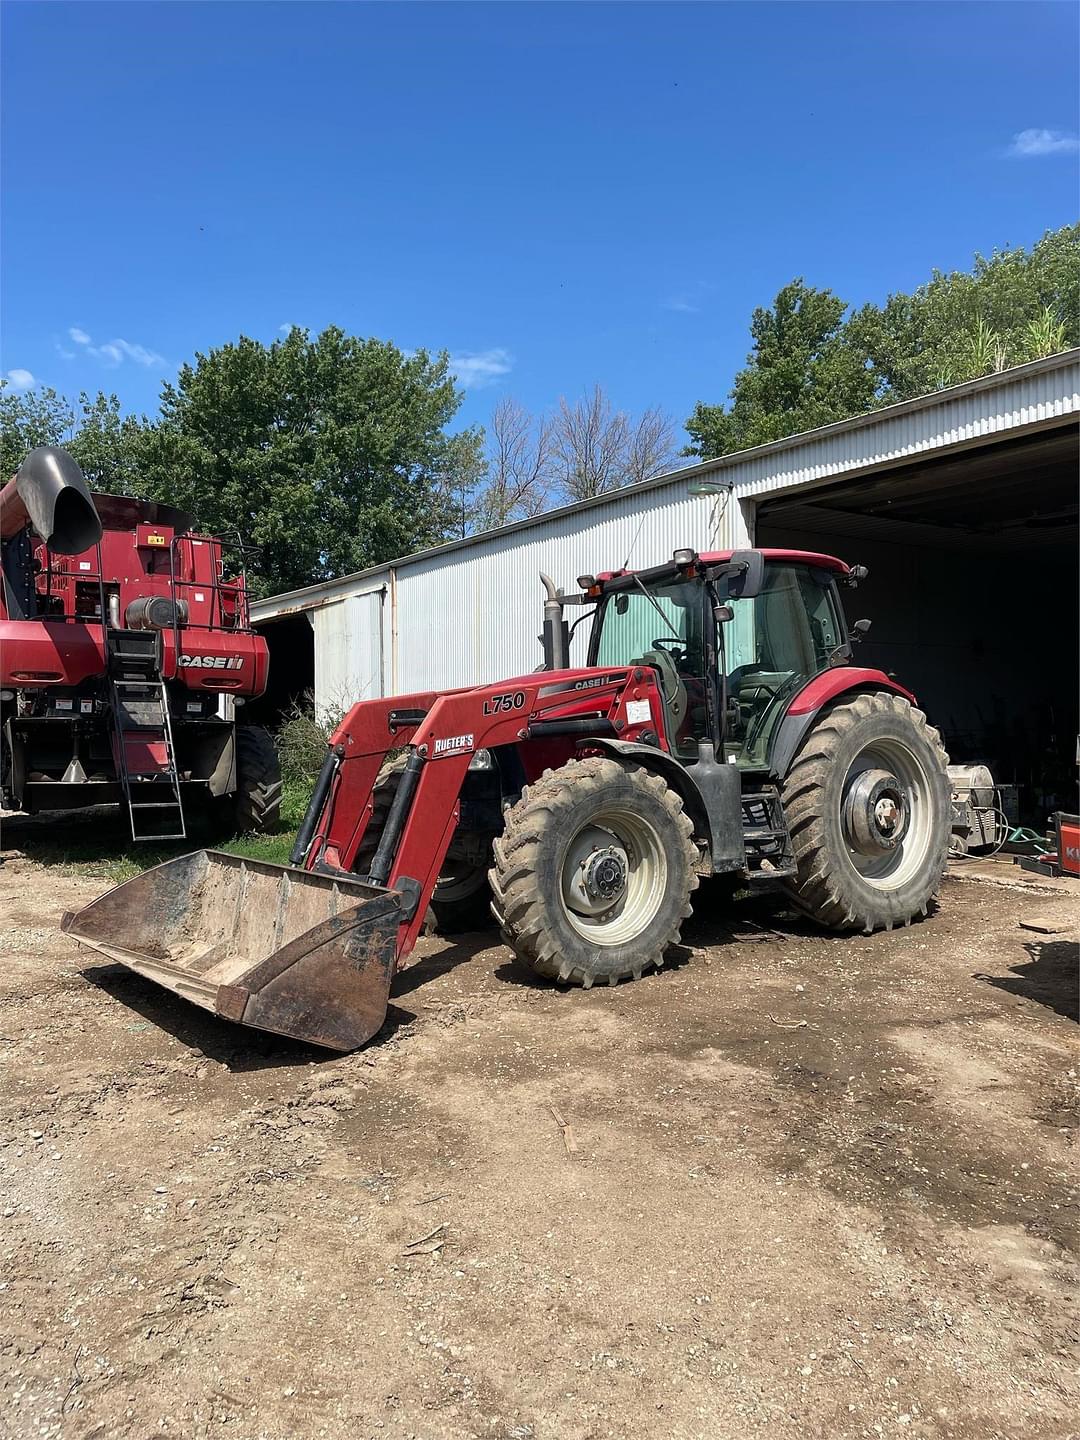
pixel 773 645
pixel 663 625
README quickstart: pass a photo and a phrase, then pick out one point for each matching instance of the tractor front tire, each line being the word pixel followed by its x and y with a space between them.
pixel 593 872
pixel 867 801
pixel 257 801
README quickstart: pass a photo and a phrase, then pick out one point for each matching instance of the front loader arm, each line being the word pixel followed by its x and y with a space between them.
pixel 443 731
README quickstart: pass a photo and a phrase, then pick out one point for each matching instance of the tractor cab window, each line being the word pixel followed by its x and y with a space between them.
pixel 663 626
pixel 775 643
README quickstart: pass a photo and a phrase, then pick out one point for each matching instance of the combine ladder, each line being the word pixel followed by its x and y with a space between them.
pixel 145 757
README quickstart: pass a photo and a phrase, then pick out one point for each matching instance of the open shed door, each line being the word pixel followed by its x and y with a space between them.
pixel 973 596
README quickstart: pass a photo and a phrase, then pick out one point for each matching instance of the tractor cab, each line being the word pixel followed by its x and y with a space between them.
pixel 732 636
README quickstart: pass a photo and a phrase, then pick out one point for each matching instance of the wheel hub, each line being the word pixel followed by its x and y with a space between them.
pixel 604 876
pixel 875 812
pixel 598 872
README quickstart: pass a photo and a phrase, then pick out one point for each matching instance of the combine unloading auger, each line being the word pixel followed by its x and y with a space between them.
pixel 50 494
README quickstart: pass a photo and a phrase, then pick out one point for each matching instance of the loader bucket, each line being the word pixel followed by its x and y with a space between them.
pixel 291 951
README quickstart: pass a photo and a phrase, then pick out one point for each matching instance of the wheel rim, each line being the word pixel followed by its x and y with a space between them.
pixel 886 814
pixel 458 879
pixel 614 876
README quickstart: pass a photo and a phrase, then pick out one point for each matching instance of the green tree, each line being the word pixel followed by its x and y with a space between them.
pixel 802 372
pixel 1014 306
pixel 813 363
pixel 28 419
pixel 108 446
pixel 328 454
pixel 462 475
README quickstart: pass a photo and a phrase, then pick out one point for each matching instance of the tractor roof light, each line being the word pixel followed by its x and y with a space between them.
pixel 586 582
pixel 685 559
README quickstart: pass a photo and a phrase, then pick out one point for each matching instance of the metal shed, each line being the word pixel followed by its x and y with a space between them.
pixel 963 503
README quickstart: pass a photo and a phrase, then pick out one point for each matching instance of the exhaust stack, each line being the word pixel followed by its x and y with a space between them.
pixel 556 636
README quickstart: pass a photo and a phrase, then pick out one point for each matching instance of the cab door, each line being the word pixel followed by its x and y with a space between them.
pixel 775 643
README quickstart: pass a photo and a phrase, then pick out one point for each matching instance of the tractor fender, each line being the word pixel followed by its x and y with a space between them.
pixel 808 704
pixel 712 798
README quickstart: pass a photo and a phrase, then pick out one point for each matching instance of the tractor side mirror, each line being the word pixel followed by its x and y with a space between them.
pixel 722 614
pixel 746 574
pixel 859 631
pixel 622 603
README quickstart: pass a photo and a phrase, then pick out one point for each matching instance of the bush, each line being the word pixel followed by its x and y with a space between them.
pixel 301 741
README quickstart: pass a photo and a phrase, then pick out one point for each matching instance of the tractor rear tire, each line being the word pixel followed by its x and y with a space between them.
pixel 461 900
pixel 867 801
pixel 257 801
pixel 593 872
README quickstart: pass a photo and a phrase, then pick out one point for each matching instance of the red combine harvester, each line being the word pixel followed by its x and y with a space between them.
pixel 719 728
pixel 123 654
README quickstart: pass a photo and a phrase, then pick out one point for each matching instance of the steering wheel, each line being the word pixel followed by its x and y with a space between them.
pixel 669 645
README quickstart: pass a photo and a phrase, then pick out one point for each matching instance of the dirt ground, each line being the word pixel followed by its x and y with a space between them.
pixel 810 1186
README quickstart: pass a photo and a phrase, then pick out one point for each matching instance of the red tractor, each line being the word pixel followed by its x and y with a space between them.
pixel 123 654
pixel 719 728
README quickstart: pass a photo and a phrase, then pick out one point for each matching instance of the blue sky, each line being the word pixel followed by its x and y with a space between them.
pixel 557 194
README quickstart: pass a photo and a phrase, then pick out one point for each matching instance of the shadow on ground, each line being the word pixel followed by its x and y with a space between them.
pixel 1051 976
pixel 237 1047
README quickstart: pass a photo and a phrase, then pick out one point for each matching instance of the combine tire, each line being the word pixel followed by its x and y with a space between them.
pixel 867 802
pixel 593 872
pixel 258 781
pixel 461 900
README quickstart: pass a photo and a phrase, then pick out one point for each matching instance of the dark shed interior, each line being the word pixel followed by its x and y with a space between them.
pixel 973 593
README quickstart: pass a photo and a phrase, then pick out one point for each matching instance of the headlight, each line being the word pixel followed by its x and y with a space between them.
pixel 482 760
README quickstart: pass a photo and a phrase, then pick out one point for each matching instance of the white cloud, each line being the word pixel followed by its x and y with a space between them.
pixel 1031 143
pixel 474 370
pixel 681 304
pixel 20 379
pixel 138 353
pixel 112 352
pixel 287 329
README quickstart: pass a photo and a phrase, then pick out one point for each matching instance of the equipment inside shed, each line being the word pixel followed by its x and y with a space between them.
pixel 973 596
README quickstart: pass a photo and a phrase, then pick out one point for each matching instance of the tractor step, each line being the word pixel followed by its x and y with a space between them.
pixel 769 853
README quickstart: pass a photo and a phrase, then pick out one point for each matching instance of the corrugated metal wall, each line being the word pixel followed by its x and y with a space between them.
pixel 474 615
pixel 349 649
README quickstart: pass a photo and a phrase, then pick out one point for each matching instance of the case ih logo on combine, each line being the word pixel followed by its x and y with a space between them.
pixel 211 662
